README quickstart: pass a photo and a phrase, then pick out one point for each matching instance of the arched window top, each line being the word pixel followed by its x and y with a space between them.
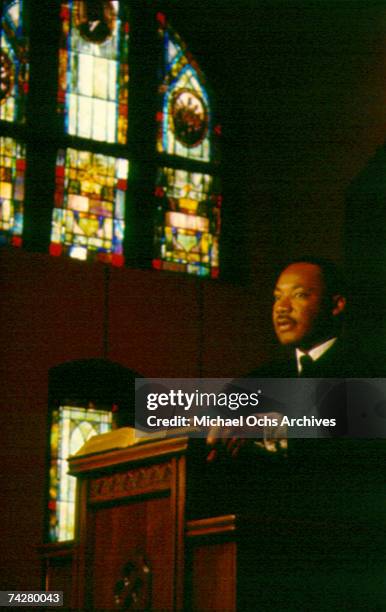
pixel 98 380
pixel 185 117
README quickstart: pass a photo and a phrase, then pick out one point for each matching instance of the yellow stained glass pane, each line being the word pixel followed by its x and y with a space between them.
pixel 89 215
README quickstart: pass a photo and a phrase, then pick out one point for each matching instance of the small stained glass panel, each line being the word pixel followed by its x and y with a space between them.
pixel 188 222
pixel 88 218
pixel 13 61
pixel 71 428
pixel 12 171
pixel 184 113
pixel 94 70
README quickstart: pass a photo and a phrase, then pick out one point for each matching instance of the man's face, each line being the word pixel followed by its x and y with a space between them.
pixel 301 315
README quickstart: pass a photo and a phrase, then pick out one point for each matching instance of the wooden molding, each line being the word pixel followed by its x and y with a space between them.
pixel 211 526
pixel 137 481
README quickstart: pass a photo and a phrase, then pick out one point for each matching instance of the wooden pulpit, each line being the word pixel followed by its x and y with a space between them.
pixel 137 548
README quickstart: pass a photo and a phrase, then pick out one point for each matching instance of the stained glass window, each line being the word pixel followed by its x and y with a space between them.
pixel 188 222
pixel 88 212
pixel 188 203
pixel 88 218
pixel 93 69
pixel 71 428
pixel 13 61
pixel 184 117
pixel 12 169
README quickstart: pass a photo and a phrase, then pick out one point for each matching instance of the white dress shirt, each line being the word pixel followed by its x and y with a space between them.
pixel 314 353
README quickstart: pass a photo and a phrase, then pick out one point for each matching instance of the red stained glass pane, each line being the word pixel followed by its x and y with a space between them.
pixel 55 249
pixel 117 260
pixel 16 241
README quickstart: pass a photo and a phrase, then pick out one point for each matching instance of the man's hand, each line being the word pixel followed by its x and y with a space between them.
pixel 219 442
pixel 223 441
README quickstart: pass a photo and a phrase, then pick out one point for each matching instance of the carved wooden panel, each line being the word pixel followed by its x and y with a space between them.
pixel 115 533
pixel 133 590
pixel 135 481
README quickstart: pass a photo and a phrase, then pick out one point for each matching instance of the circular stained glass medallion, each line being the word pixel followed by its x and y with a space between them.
pixel 95 20
pixel 190 117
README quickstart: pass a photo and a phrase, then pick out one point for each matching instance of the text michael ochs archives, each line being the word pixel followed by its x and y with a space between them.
pixel 252 420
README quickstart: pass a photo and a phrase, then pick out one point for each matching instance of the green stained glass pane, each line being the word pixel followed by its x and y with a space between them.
pixel 14 65
pixel 184 113
pixel 188 222
pixel 71 428
pixel 12 171
pixel 93 69
pixel 88 218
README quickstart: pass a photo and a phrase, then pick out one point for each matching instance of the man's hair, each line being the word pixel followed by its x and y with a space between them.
pixel 333 275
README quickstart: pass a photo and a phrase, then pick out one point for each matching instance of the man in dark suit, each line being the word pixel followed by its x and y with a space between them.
pixel 332 489
pixel 326 496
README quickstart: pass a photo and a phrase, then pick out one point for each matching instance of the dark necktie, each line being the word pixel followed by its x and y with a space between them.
pixel 308 365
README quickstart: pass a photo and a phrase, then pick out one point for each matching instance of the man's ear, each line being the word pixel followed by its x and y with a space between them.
pixel 339 304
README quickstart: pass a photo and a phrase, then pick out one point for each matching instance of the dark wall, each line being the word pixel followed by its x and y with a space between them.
pixel 301 90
